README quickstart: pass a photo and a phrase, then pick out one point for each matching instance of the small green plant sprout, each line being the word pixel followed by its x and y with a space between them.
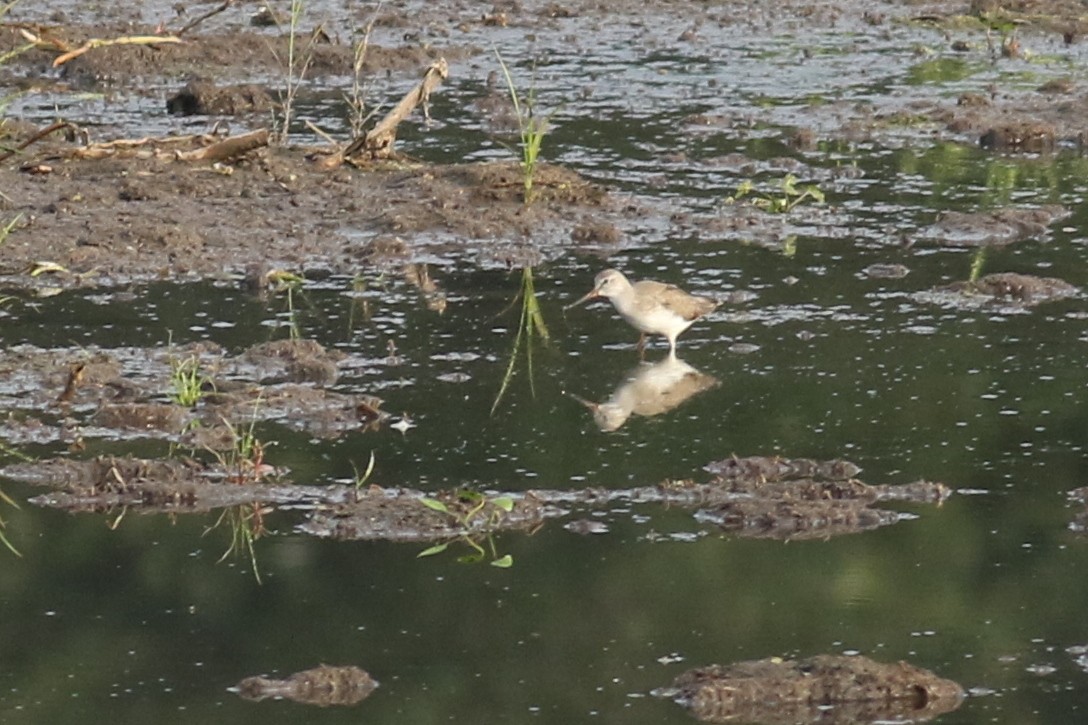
pixel 531 128
pixel 531 323
pixel 187 381
pixel 357 111
pixel 791 195
pixel 9 227
pixel 244 462
pixel 362 478
pixel 294 67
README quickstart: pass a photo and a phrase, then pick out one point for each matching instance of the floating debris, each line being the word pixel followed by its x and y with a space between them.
pixel 826 689
pixel 321 686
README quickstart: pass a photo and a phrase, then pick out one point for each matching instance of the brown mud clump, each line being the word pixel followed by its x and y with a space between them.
pixel 756 498
pixel 825 689
pixel 321 686
pixel 1024 289
pixel 206 98
pixel 995 228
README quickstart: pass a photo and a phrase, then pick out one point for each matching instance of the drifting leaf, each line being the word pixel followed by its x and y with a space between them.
pixel 504 502
pixel 504 563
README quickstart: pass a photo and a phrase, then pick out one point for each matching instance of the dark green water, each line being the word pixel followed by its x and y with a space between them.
pixel 141 624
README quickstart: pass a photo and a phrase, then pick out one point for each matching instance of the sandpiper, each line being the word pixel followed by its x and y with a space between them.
pixel 650 307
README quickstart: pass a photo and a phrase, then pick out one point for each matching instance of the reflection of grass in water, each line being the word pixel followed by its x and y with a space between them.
pixel 978 259
pixel 4 498
pixel 465 509
pixel 246 523
pixel 244 465
pixel 3 537
pixel 530 324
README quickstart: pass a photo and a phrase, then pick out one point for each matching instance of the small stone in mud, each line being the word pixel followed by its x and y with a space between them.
pixel 321 686
pixel 825 688
pixel 1029 137
pixel 201 97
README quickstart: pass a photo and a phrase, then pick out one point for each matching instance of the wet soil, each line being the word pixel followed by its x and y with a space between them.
pixel 321 686
pixel 112 220
pixel 821 689
pixel 756 497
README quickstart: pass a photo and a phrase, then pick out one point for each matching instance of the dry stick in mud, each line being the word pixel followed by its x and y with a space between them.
pixel 378 141
pixel 67 53
pixel 197 21
pixel 58 125
pixel 228 148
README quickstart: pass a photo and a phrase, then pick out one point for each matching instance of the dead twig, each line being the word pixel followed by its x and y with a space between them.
pixel 99 43
pixel 228 148
pixel 212 148
pixel 35 138
pixel 197 21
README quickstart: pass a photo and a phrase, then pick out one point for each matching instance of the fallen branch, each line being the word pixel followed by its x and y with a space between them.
pixel 228 148
pixel 58 125
pixel 210 149
pixel 377 143
pixel 128 40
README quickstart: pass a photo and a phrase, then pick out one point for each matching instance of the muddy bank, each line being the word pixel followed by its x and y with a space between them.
pixel 821 689
pixel 113 220
pixel 741 501
pixel 321 686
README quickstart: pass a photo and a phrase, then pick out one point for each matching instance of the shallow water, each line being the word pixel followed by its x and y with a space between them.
pixel 141 622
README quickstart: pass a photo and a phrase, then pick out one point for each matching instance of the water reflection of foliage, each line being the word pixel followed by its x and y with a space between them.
pixel 530 324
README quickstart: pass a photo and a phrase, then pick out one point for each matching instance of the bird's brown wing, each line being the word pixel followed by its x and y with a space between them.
pixel 688 306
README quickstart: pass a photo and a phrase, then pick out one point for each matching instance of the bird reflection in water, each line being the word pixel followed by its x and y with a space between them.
pixel 648 390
